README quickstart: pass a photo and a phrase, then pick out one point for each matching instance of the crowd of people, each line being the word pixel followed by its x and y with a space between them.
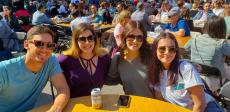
pixel 155 70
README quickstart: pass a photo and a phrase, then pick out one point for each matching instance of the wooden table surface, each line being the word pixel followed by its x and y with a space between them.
pixel 137 104
pixel 181 40
pixel 102 26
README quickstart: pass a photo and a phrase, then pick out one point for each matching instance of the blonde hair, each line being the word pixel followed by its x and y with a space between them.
pixel 122 15
pixel 74 49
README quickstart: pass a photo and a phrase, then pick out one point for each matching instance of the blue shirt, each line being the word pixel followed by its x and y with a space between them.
pixel 19 87
pixel 97 19
pixel 40 18
pixel 181 24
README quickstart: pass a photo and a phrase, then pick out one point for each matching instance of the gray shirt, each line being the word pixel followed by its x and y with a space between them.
pixel 133 76
pixel 142 17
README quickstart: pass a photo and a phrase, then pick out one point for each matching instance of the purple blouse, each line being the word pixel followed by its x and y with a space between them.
pixel 79 80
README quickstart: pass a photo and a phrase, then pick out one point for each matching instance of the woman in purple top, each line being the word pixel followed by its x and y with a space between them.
pixel 85 64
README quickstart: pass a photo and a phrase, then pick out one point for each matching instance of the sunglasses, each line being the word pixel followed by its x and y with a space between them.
pixel 90 38
pixel 41 45
pixel 139 38
pixel 163 49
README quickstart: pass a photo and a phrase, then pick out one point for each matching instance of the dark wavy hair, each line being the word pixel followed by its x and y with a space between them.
pixel 156 67
pixel 145 47
pixel 215 27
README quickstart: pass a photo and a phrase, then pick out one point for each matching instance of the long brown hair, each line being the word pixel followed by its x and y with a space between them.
pixel 215 27
pixel 155 66
pixel 145 48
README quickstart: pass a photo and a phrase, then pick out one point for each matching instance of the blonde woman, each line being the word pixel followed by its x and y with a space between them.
pixel 218 10
pixel 84 64
pixel 122 19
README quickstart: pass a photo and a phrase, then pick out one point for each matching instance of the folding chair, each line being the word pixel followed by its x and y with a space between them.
pixel 225 92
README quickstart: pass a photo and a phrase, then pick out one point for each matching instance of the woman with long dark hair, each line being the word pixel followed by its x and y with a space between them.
pixel 177 81
pixel 129 66
pixel 11 19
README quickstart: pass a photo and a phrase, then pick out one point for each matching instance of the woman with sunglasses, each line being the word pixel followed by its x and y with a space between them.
pixel 129 67
pixel 177 81
pixel 85 64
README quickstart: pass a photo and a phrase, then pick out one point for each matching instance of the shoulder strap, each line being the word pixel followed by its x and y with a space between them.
pixel 198 52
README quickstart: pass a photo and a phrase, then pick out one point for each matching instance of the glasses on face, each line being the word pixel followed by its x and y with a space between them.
pixel 139 38
pixel 90 38
pixel 163 49
pixel 41 45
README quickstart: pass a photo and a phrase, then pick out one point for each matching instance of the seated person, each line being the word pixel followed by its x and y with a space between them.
pixel 23 15
pixel 85 63
pixel 141 15
pixel 8 37
pixel 194 10
pixel 204 14
pixel 163 12
pixel 185 14
pixel 39 17
pixel 175 80
pixel 176 25
pixel 210 48
pixel 23 78
pixel 95 17
pixel 5 54
pixel 11 19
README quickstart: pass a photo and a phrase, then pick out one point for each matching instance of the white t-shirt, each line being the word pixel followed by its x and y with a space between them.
pixel 177 93
pixel 218 12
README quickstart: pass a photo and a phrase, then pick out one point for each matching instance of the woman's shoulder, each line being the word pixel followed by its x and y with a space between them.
pixel 63 58
pixel 105 58
pixel 184 64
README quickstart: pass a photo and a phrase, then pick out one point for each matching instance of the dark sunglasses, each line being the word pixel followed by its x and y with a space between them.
pixel 171 50
pixel 41 45
pixel 90 38
pixel 139 38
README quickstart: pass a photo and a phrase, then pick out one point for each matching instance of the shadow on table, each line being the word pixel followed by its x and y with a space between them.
pixel 85 104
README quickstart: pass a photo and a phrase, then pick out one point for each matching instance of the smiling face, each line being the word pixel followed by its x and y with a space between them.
pixel 86 45
pixel 134 40
pixel 36 54
pixel 166 51
pixel 207 7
